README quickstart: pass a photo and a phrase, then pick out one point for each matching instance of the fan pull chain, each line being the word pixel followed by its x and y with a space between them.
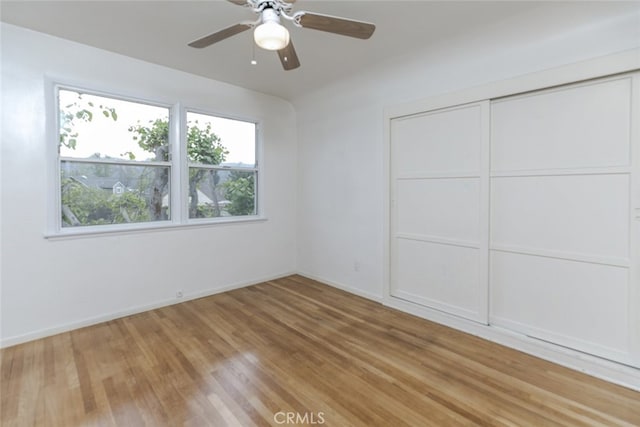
pixel 253 52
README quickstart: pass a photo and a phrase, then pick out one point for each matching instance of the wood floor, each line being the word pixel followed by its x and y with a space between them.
pixel 292 352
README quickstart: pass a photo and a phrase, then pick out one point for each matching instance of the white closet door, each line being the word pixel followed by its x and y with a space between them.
pixel 561 226
pixel 439 210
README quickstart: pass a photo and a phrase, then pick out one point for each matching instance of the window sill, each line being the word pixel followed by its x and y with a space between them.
pixel 107 230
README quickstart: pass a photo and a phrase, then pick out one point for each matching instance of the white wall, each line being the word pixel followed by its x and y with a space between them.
pixel 51 285
pixel 341 181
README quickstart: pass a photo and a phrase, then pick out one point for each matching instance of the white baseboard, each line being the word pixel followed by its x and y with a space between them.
pixel 607 370
pixel 341 286
pixel 42 333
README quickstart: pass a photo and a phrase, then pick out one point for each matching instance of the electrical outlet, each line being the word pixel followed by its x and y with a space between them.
pixel 179 293
pixel 356 266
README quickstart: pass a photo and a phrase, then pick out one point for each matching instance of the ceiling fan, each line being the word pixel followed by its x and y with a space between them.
pixel 269 34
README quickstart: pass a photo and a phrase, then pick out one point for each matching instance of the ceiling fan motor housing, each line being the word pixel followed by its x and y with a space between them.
pixel 278 6
pixel 270 15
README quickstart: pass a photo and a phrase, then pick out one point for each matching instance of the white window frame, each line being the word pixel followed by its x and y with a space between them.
pixel 178 168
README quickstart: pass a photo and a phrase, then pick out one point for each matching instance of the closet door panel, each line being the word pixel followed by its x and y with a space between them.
pixel 444 277
pixel 439 210
pixel 439 141
pixel 560 234
pixel 446 208
pixel 584 215
pixel 578 304
pixel 570 127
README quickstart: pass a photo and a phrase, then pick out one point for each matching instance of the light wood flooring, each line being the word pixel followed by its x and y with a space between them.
pixel 301 352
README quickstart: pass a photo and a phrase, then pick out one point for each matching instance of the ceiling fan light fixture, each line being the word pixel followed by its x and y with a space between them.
pixel 270 35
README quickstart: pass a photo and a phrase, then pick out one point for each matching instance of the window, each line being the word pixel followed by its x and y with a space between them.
pixel 222 166
pixel 118 166
pixel 114 160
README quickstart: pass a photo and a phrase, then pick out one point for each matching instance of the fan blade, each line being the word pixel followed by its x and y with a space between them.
pixel 289 57
pixel 332 24
pixel 220 35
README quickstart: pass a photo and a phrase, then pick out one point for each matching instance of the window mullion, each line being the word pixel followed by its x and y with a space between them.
pixel 178 153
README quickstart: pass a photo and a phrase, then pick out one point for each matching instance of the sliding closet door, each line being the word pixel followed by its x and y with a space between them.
pixel 561 240
pixel 439 210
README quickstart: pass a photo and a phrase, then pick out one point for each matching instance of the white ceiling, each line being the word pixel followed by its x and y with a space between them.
pixel 158 32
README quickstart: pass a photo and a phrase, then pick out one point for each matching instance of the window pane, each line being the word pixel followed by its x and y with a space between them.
pixel 218 141
pixel 221 193
pixel 98 193
pixel 92 126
